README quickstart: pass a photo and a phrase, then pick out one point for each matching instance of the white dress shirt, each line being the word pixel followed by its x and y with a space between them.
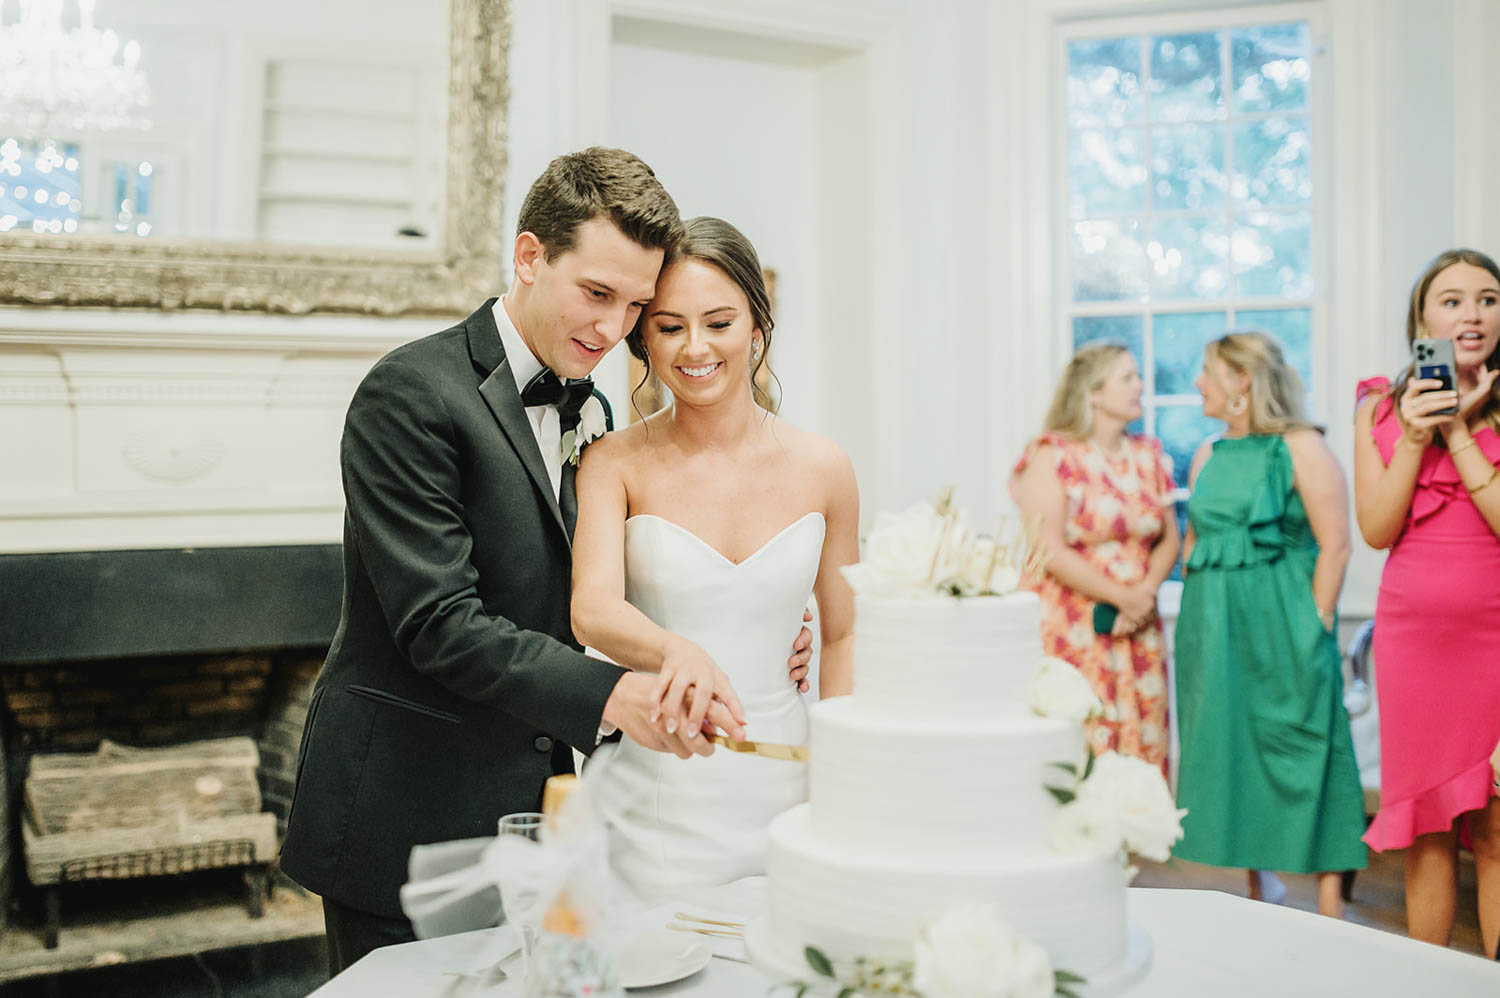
pixel 545 423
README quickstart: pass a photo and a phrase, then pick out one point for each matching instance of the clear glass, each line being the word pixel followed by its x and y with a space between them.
pixel 40 186
pixel 1187 167
pixel 1292 327
pixel 1104 82
pixel 1272 254
pixel 1181 428
pixel 1106 173
pixel 1126 328
pixel 1189 258
pixel 1187 77
pixel 1271 64
pixel 1109 261
pixel 1177 340
pixel 522 905
pixel 1272 163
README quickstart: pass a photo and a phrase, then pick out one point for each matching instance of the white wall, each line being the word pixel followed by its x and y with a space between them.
pixel 737 139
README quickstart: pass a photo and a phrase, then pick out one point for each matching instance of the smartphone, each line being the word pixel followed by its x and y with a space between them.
pixel 1433 359
pixel 1104 617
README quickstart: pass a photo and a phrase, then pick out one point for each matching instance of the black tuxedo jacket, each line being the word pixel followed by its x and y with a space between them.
pixel 453 686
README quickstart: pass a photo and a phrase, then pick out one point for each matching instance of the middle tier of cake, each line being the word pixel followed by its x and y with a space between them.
pixel 972 787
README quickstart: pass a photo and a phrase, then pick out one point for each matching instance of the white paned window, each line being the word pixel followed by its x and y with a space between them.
pixel 1190 202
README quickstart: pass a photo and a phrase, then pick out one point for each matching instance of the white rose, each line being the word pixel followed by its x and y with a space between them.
pixel 970 953
pixel 1087 826
pixel 987 571
pixel 911 552
pixel 591 426
pixel 1060 692
pixel 1136 792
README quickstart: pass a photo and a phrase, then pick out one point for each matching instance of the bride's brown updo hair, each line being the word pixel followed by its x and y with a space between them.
pixel 716 242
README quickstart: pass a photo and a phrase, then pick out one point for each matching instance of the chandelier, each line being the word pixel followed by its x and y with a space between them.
pixel 56 81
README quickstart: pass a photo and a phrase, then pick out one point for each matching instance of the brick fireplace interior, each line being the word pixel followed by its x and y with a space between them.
pixel 155 648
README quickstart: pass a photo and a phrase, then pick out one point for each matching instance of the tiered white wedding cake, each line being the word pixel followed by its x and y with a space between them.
pixel 929 787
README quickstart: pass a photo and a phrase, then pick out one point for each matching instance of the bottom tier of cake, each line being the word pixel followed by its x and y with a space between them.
pixel 850 902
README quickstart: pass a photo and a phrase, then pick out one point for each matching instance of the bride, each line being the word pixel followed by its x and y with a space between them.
pixel 701 532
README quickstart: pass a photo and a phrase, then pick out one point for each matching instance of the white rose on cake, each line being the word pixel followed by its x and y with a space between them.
pixel 1060 692
pixel 918 551
pixel 1089 827
pixel 1137 794
pixel 970 953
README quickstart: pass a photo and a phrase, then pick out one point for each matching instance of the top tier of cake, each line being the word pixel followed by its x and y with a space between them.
pixel 943 658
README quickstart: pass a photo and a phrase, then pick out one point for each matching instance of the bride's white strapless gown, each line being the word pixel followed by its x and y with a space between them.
pixel 702 821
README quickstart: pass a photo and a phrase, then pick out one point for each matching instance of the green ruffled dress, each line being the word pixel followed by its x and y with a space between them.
pixel 1267 768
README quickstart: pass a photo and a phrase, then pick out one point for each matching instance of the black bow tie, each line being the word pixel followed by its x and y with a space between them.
pixel 545 389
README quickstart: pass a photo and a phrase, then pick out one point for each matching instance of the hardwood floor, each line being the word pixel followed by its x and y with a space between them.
pixel 1378 901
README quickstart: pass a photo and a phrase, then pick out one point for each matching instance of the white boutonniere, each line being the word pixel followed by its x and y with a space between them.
pixel 591 426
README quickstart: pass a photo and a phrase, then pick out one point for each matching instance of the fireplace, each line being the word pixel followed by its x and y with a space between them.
pixel 150 649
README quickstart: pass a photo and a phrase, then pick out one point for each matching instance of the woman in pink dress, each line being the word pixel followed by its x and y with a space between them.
pixel 1105 501
pixel 1427 490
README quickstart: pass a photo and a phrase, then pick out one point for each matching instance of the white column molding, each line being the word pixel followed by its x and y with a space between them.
pixel 1026 351
pixel 1476 146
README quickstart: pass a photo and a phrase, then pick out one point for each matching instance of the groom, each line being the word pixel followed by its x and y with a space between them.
pixel 454 687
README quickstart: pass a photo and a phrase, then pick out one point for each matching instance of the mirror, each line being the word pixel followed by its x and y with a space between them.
pixel 344 156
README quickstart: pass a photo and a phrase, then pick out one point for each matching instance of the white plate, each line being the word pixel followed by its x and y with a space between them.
pixel 661 957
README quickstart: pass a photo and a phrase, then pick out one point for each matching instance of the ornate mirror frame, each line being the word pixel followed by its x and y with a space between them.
pixel 239 276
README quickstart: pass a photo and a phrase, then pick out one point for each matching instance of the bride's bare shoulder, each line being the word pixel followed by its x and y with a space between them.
pixel 812 452
pixel 614 447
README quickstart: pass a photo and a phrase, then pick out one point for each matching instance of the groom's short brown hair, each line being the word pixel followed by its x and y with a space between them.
pixel 599 183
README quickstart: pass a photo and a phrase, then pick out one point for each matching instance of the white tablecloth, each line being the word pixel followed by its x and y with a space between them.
pixel 1204 944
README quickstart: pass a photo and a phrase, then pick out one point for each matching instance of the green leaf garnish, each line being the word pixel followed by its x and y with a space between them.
pixel 1063 795
pixel 817 961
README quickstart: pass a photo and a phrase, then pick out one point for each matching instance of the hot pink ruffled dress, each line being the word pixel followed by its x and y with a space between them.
pixel 1437 648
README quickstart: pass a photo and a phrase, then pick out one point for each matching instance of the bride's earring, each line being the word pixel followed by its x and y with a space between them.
pixel 755 352
pixel 1238 404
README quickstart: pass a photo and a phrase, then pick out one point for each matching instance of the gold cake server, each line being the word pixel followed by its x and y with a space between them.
pixel 771 750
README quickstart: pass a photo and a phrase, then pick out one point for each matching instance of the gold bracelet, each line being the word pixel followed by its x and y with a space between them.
pixel 1494 472
pixel 1462 447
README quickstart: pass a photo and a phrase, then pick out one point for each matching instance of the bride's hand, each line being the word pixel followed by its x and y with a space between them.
pixel 801 655
pixel 690 689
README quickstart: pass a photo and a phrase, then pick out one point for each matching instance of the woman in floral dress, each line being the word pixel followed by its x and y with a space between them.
pixel 1105 502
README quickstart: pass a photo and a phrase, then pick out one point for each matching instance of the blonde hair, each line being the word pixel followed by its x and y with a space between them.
pixel 1071 413
pixel 1276 393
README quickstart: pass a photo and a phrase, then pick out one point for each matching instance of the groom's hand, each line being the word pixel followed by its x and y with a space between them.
pixel 633 708
pixel 801 655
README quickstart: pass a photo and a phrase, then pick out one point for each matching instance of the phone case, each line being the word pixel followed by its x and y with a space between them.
pixel 1433 358
pixel 1104 617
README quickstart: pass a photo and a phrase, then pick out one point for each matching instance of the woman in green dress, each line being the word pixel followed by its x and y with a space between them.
pixel 1267 767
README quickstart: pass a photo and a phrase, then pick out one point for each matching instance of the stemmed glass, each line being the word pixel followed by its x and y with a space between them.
pixel 518 896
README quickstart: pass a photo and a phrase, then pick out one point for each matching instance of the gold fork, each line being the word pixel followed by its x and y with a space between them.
pixel 709 921
pixel 725 933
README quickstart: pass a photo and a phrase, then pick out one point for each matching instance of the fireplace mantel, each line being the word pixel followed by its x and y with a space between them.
pixel 142 430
